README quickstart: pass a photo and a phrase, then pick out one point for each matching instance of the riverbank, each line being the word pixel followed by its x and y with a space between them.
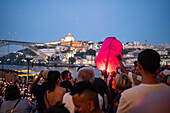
pixel 8 74
pixel 48 65
pixel 36 69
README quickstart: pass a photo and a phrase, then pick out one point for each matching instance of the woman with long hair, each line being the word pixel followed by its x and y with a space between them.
pixel 54 93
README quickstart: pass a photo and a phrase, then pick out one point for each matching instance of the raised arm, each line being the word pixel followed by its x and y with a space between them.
pixel 105 75
pixel 37 79
pixel 122 67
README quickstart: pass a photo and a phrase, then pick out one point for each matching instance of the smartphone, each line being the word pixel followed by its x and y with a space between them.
pixel 69 75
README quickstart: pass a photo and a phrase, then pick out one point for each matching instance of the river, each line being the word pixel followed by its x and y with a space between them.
pixel 36 69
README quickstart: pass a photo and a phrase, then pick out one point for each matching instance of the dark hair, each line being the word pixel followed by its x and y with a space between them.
pixel 64 74
pixel 80 87
pixel 149 60
pixel 53 77
pixel 58 108
pixel 89 91
pixel 12 93
pixel 135 63
pixel 66 84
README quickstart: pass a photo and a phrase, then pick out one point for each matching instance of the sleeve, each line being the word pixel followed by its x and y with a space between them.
pixel 68 102
pixel 100 101
pixel 123 105
pixel 130 76
pixel 135 79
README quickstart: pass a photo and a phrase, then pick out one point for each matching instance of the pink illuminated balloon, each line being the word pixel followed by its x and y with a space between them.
pixel 106 59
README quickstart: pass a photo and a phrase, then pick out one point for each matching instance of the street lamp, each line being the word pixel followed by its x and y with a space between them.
pixel 28 62
pixel 2 71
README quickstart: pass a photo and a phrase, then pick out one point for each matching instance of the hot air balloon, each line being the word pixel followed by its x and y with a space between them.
pixel 106 58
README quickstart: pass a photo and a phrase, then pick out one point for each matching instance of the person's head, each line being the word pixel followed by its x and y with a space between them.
pixel 53 79
pixel 135 63
pixel 66 75
pixel 149 61
pixel 135 68
pixel 85 97
pixel 86 74
pixel 12 93
pixel 164 76
pixel 122 82
pixel 66 84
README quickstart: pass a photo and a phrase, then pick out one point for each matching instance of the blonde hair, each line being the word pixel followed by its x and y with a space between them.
pixel 123 82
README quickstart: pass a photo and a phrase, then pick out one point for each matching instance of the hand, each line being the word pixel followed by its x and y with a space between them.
pixel 104 73
pixel 40 74
pixel 119 57
pixel 113 74
pixel 71 80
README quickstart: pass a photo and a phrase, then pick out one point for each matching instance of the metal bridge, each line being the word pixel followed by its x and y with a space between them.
pixel 29 45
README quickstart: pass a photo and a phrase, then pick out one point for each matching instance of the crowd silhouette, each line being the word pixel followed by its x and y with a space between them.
pixel 137 90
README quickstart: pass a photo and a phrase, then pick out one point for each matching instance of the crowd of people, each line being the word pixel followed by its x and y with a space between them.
pixel 130 91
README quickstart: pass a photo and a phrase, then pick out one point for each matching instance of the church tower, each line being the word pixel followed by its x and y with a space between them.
pixel 69 37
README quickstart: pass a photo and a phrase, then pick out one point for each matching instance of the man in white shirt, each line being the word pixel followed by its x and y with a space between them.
pixel 149 67
pixel 84 74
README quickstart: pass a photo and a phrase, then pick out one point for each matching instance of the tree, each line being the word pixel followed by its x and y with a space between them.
pixel 101 42
pixel 72 60
pixel 80 54
pixel 91 52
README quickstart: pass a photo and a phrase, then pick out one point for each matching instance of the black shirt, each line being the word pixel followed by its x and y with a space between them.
pixel 39 91
pixel 100 85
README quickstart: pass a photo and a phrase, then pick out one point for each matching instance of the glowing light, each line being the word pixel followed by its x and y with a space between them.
pixel 106 59
pixel 21 75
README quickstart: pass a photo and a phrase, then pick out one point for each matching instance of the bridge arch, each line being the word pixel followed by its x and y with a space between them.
pixel 26 45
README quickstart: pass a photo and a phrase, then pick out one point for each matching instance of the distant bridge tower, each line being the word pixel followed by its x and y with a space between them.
pixel 145 42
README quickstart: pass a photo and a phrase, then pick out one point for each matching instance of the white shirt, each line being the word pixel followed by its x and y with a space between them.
pixel 68 102
pixel 137 77
pixel 132 95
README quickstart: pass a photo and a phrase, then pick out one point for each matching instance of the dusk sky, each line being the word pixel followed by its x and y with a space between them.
pixel 87 20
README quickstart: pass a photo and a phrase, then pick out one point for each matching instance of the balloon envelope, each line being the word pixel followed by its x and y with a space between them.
pixel 106 59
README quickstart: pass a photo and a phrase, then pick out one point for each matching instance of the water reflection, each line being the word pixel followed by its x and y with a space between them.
pixel 36 69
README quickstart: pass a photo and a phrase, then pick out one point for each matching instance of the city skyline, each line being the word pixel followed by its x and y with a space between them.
pixel 91 20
